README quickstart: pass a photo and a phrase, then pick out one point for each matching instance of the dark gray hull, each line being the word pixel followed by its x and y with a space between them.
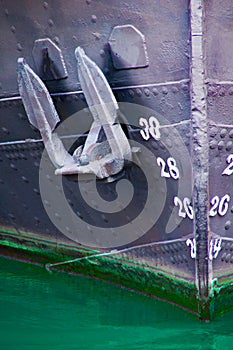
pixel 182 259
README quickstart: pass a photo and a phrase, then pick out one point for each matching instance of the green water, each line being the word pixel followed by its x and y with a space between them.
pixel 61 312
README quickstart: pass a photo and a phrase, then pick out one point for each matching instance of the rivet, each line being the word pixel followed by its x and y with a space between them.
pixel 231 134
pixel 5 130
pixel 184 87
pixel 131 93
pixel 223 133
pixel 176 247
pixel 97 35
pixel 227 258
pixel 172 260
pixel 24 179
pixel 147 92
pixel 164 90
pixel 36 219
pixel 19 47
pixel 49 178
pixel 223 256
pixel 212 91
pixel 229 145
pixel 175 89
pixel 14 147
pixel 35 190
pixel 11 216
pixel 172 248
pixel 46 203
pixel 58 188
pixel 51 22
pixel 13 29
pixel 93 18
pixel 139 92
pixel 46 5
pixel 102 53
pixel 162 146
pixel 70 202
pixel 220 145
pixel 79 215
pixel 155 145
pixel 128 218
pixel 22 156
pixel 223 244
pixel 213 131
pixel 222 92
pixel 56 40
pixel 13 166
pixel 227 225
pixel 68 229
pixel 162 249
pixel 155 91
pixel 57 216
pixel 10 156
pixel 94 204
pixel 180 258
pixel 15 156
pixel 230 91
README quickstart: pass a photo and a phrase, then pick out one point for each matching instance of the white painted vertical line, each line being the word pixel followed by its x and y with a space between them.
pixel 200 152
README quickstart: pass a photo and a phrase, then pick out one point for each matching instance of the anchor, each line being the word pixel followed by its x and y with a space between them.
pixel 103 159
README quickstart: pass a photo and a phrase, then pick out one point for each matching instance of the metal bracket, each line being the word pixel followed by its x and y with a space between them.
pixel 128 47
pixel 49 60
pixel 103 159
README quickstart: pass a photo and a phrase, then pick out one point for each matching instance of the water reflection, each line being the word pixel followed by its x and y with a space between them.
pixel 58 311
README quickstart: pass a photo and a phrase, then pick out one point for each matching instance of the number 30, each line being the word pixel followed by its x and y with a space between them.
pixel 151 128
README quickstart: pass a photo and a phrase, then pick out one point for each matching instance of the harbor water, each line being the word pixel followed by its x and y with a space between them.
pixel 55 311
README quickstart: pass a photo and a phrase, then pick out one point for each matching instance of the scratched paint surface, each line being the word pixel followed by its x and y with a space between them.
pixel 219 108
pixel 58 311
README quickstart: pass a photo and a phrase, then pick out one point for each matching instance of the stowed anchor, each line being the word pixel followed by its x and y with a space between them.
pixel 104 159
